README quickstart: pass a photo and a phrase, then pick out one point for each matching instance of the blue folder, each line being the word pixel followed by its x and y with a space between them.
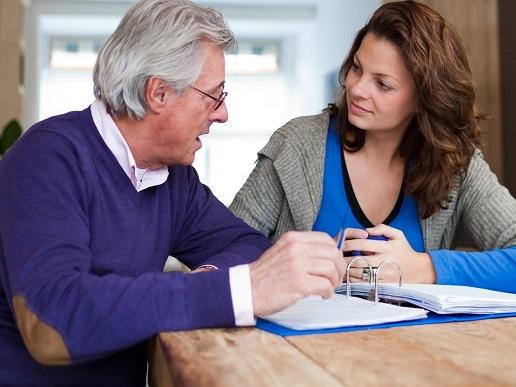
pixel 433 318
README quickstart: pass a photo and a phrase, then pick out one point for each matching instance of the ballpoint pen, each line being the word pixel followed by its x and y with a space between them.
pixel 341 237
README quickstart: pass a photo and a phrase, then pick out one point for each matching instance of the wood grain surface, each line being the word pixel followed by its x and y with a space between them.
pixel 479 353
pixel 236 357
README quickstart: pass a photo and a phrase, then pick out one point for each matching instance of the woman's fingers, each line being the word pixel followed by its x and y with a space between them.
pixel 369 245
pixel 386 231
pixel 356 233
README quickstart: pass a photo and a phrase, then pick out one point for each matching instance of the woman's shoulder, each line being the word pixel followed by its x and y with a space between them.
pixel 479 178
pixel 478 166
pixel 305 125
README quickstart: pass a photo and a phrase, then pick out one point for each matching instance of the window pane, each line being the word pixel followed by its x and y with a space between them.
pixel 254 57
pixel 73 53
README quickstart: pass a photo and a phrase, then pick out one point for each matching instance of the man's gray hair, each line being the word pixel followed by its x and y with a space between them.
pixel 156 38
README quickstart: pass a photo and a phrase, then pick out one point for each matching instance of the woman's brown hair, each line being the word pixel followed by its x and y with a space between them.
pixel 441 139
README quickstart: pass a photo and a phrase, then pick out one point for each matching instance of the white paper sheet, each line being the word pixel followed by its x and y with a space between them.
pixel 316 313
pixel 444 299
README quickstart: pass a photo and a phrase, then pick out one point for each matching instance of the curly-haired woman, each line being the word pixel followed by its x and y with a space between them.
pixel 395 160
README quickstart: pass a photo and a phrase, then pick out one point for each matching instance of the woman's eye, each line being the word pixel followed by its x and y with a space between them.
pixel 384 86
pixel 355 67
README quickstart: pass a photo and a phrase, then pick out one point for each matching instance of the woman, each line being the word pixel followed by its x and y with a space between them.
pixel 395 161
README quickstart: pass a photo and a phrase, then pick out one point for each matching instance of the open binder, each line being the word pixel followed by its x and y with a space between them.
pixel 344 310
pixel 447 303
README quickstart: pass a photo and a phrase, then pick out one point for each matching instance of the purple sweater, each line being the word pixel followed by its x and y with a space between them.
pixel 87 252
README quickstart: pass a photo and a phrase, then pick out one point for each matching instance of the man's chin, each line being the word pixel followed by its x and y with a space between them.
pixel 189 160
pixel 185 162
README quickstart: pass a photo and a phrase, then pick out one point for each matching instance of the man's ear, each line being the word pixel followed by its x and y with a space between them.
pixel 157 92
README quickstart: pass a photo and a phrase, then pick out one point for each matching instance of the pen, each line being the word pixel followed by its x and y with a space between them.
pixel 341 237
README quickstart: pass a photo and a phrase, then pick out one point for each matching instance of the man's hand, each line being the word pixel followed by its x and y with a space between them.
pixel 298 265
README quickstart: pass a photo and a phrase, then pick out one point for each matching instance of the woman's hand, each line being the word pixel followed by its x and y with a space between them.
pixel 416 267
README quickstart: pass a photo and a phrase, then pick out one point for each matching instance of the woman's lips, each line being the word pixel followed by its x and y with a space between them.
pixel 357 109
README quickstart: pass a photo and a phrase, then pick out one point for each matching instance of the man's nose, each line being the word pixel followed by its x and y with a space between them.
pixel 221 114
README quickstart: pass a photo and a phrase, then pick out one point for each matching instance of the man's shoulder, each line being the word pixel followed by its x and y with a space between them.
pixel 67 130
pixel 51 141
pixel 69 124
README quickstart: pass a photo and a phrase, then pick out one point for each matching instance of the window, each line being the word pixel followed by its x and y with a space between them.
pixel 254 57
pixel 66 78
pixel 73 53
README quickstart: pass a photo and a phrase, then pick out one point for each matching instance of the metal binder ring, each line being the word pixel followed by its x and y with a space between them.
pixel 348 283
pixel 377 275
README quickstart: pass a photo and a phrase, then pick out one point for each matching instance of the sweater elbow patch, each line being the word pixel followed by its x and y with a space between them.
pixel 42 341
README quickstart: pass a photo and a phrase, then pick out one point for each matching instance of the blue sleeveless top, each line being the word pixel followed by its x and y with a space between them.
pixel 340 208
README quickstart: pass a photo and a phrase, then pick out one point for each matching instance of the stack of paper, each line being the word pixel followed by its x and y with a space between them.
pixel 444 299
pixel 316 313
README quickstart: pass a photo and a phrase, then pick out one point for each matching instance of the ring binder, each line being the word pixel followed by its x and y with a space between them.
pixel 374 274
pixel 348 283
pixel 377 275
pixel 343 310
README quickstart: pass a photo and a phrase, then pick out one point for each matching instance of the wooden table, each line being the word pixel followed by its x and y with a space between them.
pixel 478 353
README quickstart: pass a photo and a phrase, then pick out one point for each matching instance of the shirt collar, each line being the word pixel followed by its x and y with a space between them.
pixel 140 178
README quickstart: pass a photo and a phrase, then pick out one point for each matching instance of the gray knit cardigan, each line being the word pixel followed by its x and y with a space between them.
pixel 284 192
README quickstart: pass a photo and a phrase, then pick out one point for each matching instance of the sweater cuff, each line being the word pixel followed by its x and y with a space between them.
pixel 443 269
pixel 209 300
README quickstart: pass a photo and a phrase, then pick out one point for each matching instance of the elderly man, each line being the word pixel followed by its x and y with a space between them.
pixel 93 202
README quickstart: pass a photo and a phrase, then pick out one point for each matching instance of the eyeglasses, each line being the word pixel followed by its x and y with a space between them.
pixel 218 101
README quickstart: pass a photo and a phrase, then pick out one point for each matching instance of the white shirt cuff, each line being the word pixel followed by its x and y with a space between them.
pixel 241 295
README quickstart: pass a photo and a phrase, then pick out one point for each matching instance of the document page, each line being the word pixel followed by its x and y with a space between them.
pixel 316 313
pixel 445 299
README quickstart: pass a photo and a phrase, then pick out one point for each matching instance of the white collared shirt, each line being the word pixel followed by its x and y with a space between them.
pixel 141 178
pixel 239 276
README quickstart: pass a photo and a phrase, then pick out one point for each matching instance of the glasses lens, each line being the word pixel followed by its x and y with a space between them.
pixel 220 100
